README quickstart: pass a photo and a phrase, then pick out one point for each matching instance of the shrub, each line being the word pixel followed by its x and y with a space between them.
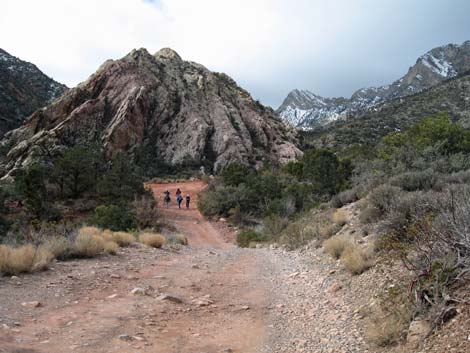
pixel 336 245
pixel 26 258
pixel 413 181
pixel 59 246
pixel 152 239
pixel 114 217
pixel 298 234
pixel 385 330
pixel 355 259
pixel 344 198
pixel 247 236
pixel 383 197
pixel 88 243
pixel 369 214
pixel 274 226
pixel 123 239
pixel 145 212
pixel 177 239
pixel 340 217
pixel 110 247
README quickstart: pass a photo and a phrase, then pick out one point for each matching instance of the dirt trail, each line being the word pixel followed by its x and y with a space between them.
pixel 86 305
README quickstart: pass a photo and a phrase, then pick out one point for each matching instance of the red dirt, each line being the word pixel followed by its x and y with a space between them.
pixel 87 305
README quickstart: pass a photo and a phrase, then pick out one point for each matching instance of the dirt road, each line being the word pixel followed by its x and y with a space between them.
pixel 86 306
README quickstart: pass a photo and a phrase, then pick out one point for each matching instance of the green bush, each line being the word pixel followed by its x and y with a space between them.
pixel 235 174
pixel 413 181
pixel 114 217
pixel 247 236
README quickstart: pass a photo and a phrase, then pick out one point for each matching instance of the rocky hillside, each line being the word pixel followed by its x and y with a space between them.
pixel 179 110
pixel 23 89
pixel 305 110
pixel 366 128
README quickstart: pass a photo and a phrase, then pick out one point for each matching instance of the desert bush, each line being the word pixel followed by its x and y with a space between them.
pixel 274 226
pixel 383 197
pixel 177 239
pixel 247 236
pixel 110 247
pixel 59 246
pixel 152 239
pixel 340 217
pixel 336 245
pixel 344 198
pixel 114 217
pixel 409 207
pixel 146 213
pixel 418 180
pixel 24 259
pixel 356 259
pixel 369 214
pixel 123 239
pixel 88 243
pixel 385 330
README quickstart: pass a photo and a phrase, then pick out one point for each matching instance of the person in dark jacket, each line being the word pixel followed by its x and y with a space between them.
pixel 188 200
pixel 166 198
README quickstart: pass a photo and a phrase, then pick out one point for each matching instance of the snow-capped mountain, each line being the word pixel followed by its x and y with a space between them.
pixel 23 89
pixel 304 109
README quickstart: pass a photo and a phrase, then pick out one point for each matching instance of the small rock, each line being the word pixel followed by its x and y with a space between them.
pixel 33 304
pixel 115 276
pixel 222 220
pixel 112 296
pixel 335 287
pixel 125 338
pixel 171 298
pixel 138 291
pixel 195 266
pixel 245 307
pixel 227 350
pixel 14 277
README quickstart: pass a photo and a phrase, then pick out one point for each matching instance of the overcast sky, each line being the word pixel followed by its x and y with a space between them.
pixel 331 47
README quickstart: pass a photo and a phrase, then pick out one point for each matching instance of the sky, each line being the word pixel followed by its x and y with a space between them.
pixel 330 47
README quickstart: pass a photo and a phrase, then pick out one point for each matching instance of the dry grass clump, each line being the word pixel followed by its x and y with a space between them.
pixel 152 239
pixel 181 239
pixel 110 247
pixel 385 330
pixel 24 259
pixel 59 246
pixel 340 217
pixel 356 259
pixel 336 245
pixel 88 243
pixel 123 239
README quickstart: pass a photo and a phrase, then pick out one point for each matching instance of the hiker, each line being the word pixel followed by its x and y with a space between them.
pixel 167 199
pixel 178 192
pixel 188 200
pixel 179 199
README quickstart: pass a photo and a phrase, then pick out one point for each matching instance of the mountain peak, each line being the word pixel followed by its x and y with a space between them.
pixel 181 113
pixel 168 54
pixel 305 110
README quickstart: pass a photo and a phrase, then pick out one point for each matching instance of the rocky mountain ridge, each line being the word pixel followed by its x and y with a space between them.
pixel 367 127
pixel 23 90
pixel 305 110
pixel 179 110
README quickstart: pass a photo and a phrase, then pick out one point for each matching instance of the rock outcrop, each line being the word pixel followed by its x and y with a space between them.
pixel 23 90
pixel 306 110
pixel 179 110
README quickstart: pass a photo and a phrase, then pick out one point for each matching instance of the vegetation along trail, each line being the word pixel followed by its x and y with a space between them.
pixel 210 296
